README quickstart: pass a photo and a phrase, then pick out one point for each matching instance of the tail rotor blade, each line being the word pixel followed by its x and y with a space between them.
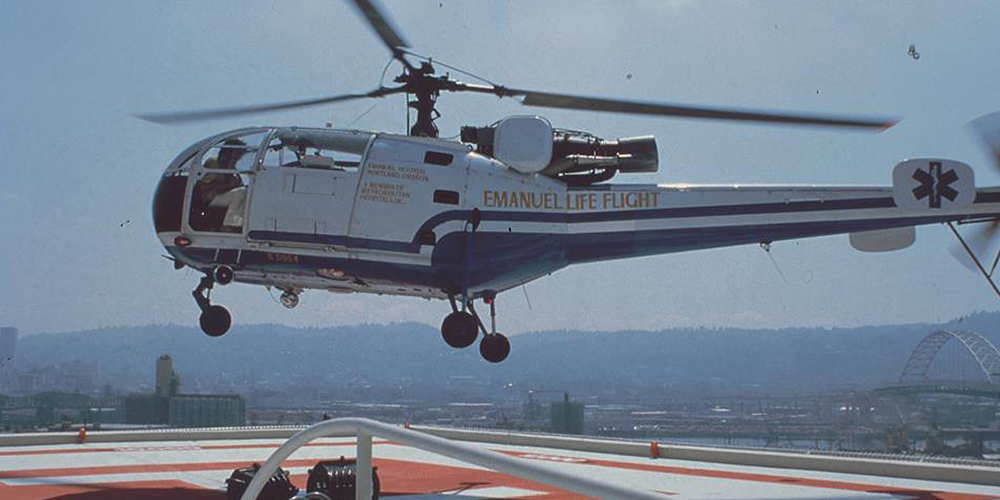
pixel 987 128
pixel 982 243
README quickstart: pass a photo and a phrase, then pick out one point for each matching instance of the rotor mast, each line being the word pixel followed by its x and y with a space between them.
pixel 416 81
pixel 426 89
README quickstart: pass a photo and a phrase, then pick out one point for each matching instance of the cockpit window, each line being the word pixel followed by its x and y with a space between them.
pixel 318 149
pixel 168 202
pixel 219 197
pixel 233 153
pixel 279 154
pixel 218 202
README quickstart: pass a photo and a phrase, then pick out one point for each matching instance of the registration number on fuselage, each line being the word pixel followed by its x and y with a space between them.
pixel 285 258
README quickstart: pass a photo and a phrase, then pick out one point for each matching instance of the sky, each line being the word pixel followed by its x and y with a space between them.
pixel 77 170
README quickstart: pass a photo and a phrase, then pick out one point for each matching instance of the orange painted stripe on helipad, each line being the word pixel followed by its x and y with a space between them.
pixel 144 490
pixel 757 477
pixel 398 477
pixel 404 477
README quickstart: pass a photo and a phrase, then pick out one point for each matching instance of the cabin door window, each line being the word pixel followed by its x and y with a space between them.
pixel 219 195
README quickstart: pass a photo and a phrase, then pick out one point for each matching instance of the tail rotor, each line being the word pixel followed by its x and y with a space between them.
pixel 980 251
pixel 981 244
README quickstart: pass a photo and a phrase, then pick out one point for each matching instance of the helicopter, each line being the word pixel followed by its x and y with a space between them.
pixel 351 211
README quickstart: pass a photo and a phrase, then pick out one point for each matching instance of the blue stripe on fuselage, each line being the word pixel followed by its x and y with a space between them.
pixel 413 246
pixel 658 213
pixel 500 260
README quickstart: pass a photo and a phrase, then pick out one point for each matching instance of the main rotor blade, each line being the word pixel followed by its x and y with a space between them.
pixel 550 100
pixel 987 127
pixel 211 114
pixel 382 26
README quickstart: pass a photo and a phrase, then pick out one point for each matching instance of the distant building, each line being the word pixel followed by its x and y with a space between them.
pixel 207 410
pixel 8 347
pixel 167 381
pixel 75 376
pixel 146 409
pixel 567 416
pixel 165 406
pixel 72 377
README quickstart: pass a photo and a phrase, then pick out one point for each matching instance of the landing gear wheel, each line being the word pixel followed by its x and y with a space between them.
pixel 290 299
pixel 494 347
pixel 459 329
pixel 215 320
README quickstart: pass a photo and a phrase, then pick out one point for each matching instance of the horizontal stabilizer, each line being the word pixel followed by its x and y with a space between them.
pixel 933 184
pixel 884 240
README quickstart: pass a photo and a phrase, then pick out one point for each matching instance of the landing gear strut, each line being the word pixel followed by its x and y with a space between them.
pixel 461 328
pixel 215 320
pixel 494 347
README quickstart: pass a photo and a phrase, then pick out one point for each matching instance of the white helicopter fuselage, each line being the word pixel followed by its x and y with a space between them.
pixel 426 217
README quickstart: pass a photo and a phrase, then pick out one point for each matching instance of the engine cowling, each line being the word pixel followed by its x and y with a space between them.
pixel 529 144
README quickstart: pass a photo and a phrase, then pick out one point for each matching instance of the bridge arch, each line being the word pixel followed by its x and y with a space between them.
pixel 984 352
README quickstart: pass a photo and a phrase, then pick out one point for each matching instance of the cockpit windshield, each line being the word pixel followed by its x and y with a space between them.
pixel 218 199
pixel 234 152
pixel 183 160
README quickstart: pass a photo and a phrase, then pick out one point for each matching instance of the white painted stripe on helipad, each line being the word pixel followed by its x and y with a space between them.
pixel 471 494
pixel 210 478
pixel 180 443
pixel 205 479
pixel 883 481
pixel 494 492
pixel 173 454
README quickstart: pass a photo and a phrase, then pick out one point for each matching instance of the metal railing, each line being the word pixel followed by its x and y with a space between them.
pixel 364 429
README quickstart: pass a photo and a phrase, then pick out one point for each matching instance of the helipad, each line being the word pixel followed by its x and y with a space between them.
pixel 160 467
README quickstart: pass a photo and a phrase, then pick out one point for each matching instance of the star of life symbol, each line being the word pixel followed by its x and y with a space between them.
pixel 935 184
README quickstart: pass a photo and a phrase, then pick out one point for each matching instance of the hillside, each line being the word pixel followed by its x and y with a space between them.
pixel 396 355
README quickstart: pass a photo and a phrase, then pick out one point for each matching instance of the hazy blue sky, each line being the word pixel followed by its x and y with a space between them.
pixel 77 247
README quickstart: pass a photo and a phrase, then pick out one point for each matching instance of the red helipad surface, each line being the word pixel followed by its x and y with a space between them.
pixel 198 469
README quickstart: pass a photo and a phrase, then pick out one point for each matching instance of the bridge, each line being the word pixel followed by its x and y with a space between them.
pixel 914 378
